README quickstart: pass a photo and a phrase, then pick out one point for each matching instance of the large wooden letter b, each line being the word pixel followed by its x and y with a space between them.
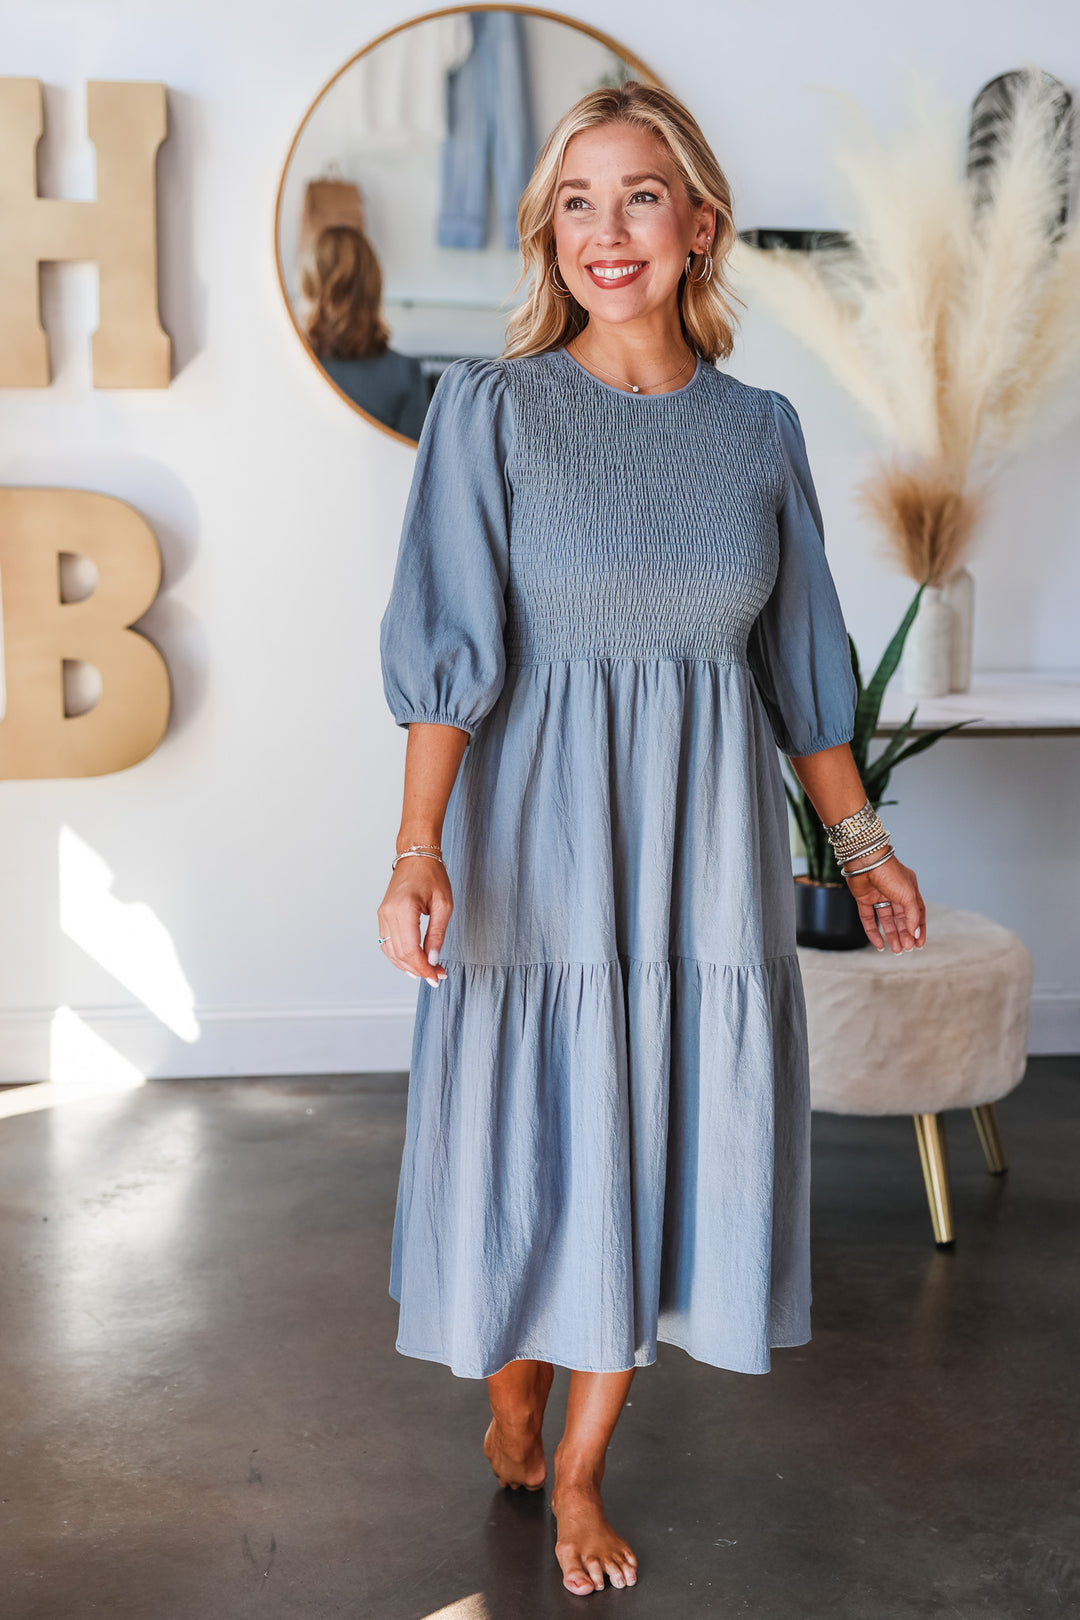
pixel 41 631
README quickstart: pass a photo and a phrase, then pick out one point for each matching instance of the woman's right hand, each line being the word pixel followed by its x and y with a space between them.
pixel 419 886
pixel 902 918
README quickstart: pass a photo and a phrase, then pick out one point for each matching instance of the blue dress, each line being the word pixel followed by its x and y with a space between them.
pixel 625 600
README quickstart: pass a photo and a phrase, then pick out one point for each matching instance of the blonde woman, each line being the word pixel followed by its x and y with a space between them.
pixel 611 604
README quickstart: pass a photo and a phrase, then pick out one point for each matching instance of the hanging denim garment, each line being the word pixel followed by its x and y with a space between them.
pixel 489 116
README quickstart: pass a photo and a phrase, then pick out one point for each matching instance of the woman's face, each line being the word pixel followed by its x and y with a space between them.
pixel 624 223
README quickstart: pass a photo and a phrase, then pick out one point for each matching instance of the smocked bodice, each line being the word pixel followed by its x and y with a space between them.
pixel 600 565
pixel 555 521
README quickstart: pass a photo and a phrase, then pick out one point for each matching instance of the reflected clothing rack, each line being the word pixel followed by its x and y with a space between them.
pixel 491 132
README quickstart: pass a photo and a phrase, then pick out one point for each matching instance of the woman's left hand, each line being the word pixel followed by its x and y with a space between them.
pixel 903 921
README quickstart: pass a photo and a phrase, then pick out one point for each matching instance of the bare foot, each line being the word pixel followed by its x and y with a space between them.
pixel 586 1546
pixel 514 1444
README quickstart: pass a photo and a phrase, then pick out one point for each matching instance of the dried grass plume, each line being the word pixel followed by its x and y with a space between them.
pixel 926 522
pixel 954 319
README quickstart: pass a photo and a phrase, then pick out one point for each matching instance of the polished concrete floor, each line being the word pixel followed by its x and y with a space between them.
pixel 204 1417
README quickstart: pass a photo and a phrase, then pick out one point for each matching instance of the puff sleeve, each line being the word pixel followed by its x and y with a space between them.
pixel 797 647
pixel 441 635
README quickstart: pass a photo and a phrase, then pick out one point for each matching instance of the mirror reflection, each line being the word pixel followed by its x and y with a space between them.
pixel 397 212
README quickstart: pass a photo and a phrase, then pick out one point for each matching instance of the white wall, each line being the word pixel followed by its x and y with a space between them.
pixel 250 852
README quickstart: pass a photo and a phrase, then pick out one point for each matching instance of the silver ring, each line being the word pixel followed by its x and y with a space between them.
pixel 383 938
pixel 882 905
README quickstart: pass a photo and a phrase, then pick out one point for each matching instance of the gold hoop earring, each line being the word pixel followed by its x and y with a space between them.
pixel 559 291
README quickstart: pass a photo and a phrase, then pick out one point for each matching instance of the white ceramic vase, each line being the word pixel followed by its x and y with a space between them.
pixel 926 665
pixel 960 596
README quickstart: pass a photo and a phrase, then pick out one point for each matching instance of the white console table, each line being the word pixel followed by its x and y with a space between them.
pixel 1000 703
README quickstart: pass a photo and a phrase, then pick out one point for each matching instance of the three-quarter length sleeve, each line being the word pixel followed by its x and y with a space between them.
pixel 441 635
pixel 798 646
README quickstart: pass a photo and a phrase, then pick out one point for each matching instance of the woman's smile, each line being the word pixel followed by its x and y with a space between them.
pixel 615 272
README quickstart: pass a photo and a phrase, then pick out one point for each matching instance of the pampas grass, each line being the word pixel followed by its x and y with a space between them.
pixel 927 523
pixel 953 320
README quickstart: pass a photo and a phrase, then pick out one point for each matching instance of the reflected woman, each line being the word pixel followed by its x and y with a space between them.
pixel 342 282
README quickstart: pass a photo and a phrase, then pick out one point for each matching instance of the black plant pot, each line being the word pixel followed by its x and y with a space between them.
pixel 827 917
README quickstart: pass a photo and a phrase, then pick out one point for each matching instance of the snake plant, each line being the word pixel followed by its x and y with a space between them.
pixel 821 864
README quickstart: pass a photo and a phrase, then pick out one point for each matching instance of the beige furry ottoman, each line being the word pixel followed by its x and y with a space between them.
pixel 917 1032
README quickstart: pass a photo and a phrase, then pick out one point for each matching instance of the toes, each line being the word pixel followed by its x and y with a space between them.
pixel 614 1571
pixel 595 1569
pixel 575 1578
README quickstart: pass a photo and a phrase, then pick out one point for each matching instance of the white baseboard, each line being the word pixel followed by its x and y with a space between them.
pixel 1054 1027
pixel 232 1041
pixel 303 1040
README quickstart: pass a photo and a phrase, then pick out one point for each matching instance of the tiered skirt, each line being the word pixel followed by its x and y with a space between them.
pixel 608 1130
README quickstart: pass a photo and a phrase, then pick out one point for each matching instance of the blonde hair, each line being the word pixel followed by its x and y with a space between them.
pixel 547 321
pixel 342 280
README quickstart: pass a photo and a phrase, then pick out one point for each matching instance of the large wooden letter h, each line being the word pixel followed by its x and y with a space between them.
pixel 126 123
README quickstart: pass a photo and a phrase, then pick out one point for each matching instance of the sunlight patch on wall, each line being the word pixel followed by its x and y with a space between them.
pixel 126 938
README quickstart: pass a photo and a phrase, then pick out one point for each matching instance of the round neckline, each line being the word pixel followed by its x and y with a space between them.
pixel 670 393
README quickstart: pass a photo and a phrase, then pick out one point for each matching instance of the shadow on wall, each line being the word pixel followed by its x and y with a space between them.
pixel 182 297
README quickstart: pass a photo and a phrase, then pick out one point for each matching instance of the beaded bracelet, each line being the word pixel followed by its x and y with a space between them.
pixel 852 838
pixel 868 846
pixel 855 821
pixel 861 833
pixel 870 849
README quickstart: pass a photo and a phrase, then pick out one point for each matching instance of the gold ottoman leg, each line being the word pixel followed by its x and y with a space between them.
pixel 986 1123
pixel 930 1135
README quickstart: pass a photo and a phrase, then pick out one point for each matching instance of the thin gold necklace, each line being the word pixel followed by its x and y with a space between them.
pixel 633 387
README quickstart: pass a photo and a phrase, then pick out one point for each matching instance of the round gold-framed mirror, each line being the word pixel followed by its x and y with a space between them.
pixel 395 233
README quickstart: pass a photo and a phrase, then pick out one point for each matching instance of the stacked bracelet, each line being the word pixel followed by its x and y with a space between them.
pixel 854 826
pixel 860 854
pixel 855 870
pixel 859 834
pixel 860 851
pixel 432 851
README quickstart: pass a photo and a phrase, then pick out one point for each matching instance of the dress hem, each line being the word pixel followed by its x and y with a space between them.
pixel 644 1360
